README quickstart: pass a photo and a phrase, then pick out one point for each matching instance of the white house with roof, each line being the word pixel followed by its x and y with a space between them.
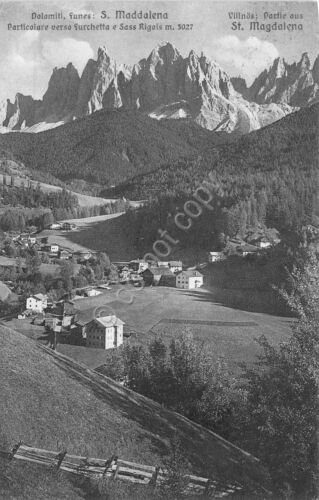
pixel 189 279
pixel 263 243
pixel 105 332
pixel 54 248
pixel 216 256
pixel 37 302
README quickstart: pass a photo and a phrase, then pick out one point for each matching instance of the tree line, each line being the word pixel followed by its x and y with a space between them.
pixel 45 208
pixel 272 411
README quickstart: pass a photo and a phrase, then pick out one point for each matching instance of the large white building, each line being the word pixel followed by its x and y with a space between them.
pixel 37 302
pixel 105 332
pixel 189 279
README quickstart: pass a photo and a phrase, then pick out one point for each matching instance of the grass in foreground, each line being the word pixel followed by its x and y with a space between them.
pixel 50 402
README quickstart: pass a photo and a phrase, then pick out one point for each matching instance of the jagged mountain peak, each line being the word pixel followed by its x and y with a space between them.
pixel 103 55
pixel 163 53
pixel 279 67
pixel 315 70
pixel 60 98
pixel 304 61
pixel 294 84
pixel 166 84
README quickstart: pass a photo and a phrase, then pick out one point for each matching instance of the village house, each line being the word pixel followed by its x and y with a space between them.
pixel 26 240
pixel 153 275
pixel 67 226
pixel 104 332
pixel 124 274
pixel 175 266
pixel 138 265
pixel 83 257
pixel 216 256
pixel 37 302
pixel 65 255
pixel 168 279
pixel 247 249
pixel 54 248
pixel 83 318
pixel 189 279
pixel 92 292
pixel 55 225
pixel 263 243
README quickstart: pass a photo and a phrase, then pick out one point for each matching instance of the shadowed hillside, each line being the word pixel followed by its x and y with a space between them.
pixel 59 404
pixel 109 146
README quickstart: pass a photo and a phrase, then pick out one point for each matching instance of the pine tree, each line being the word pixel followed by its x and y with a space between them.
pixel 280 423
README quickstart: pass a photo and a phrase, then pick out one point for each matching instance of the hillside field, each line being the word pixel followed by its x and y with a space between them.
pixel 58 405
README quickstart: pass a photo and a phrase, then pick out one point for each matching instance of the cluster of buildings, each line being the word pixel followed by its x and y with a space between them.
pixel 165 273
pixel 75 326
pixel 53 250
pixel 240 248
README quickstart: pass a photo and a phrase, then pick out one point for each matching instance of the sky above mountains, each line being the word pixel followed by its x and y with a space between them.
pixel 28 57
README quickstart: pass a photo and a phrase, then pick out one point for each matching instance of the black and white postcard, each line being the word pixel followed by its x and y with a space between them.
pixel 159 250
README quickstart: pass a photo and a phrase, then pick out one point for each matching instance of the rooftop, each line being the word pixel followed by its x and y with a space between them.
pixel 40 296
pixel 191 274
pixel 109 321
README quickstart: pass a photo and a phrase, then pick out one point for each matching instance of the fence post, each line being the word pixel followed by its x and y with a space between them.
pixel 108 464
pixel 153 479
pixel 207 487
pixel 15 449
pixel 60 457
pixel 117 468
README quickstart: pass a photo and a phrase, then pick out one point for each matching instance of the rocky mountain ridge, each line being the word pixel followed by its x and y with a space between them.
pixel 294 84
pixel 164 85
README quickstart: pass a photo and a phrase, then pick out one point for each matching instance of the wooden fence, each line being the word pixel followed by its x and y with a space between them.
pixel 115 468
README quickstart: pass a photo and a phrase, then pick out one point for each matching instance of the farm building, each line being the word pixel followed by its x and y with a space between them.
pixel 65 254
pixel 175 266
pixel 263 243
pixel 37 302
pixel 83 256
pixel 167 279
pixel 216 256
pixel 92 292
pixel 189 279
pixel 53 248
pixel 153 275
pixel 104 332
pixel 138 265
pixel 67 226
pixel 247 249
pixel 163 263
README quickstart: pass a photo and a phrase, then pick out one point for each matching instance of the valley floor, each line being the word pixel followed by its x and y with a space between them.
pixel 167 312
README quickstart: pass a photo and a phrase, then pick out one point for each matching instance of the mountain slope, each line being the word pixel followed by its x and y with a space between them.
pixel 51 401
pixel 290 142
pixel 163 85
pixel 108 147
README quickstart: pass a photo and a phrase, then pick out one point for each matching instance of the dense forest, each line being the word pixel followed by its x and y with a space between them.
pixel 109 147
pixel 269 177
